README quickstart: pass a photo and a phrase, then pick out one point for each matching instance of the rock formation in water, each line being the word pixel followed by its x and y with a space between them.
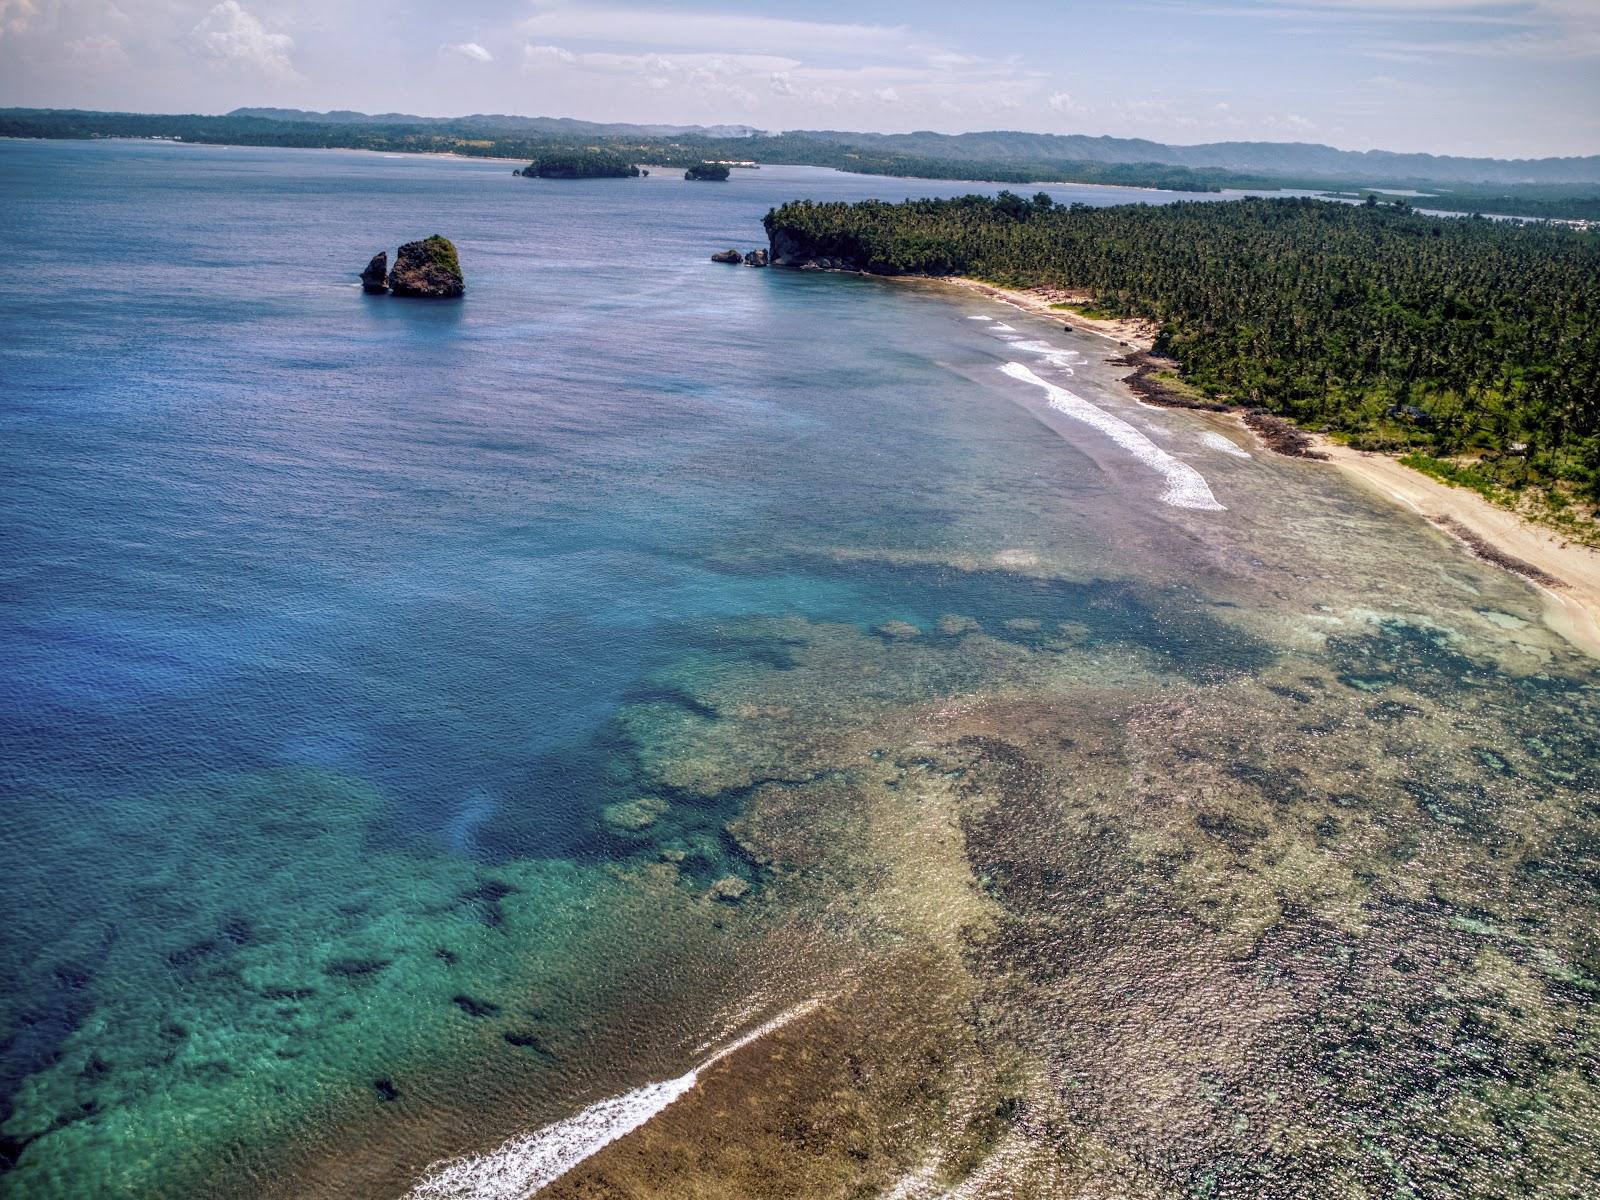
pixel 756 258
pixel 727 256
pixel 429 269
pixel 707 172
pixel 375 279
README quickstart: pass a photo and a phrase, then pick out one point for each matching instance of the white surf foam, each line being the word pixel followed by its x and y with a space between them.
pixel 1003 325
pixel 1056 356
pixel 1218 442
pixel 533 1161
pixel 1186 487
pixel 979 317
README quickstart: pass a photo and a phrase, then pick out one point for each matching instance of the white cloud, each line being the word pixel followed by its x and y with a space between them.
pixel 707 30
pixel 1062 102
pixel 232 36
pixel 469 50
pixel 886 96
pixel 16 15
pixel 533 55
pixel 98 48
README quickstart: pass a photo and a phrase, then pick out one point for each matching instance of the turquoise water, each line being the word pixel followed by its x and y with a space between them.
pixel 341 631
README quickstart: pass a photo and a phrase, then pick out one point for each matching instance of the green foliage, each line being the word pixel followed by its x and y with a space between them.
pixel 1455 474
pixel 708 172
pixel 443 253
pixel 1403 331
pixel 1094 311
pixel 580 164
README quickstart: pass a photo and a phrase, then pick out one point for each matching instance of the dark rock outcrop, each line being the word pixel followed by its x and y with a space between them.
pixel 707 172
pixel 792 249
pixel 726 256
pixel 1285 437
pixel 429 269
pixel 375 279
pixel 756 258
pixel 801 250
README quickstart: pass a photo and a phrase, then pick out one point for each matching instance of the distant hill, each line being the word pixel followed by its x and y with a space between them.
pixel 1298 159
pixel 1560 188
pixel 1305 160
pixel 500 123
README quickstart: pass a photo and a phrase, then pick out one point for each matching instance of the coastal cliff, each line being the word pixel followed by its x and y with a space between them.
pixel 789 246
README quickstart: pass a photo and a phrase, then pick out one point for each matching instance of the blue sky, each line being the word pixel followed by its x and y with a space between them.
pixel 1509 79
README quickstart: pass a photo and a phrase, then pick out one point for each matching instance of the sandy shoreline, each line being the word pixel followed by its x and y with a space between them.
pixel 1566 575
pixel 1129 332
pixel 1571 600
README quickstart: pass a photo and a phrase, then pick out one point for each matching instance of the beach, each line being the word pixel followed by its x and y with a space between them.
pixel 1570 585
pixel 1566 573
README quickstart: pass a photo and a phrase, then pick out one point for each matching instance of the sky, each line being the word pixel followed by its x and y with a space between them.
pixel 1501 78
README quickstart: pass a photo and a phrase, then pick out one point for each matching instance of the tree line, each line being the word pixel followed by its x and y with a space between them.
pixel 491 137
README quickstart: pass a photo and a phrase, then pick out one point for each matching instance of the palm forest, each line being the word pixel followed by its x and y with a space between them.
pixel 1471 344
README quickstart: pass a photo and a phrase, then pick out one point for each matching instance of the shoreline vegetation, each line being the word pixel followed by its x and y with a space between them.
pixel 1557 189
pixel 1450 364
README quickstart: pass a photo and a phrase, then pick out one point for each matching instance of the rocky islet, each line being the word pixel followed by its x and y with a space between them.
pixel 426 269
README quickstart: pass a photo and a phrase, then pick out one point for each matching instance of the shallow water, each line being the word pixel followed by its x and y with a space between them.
pixel 390 684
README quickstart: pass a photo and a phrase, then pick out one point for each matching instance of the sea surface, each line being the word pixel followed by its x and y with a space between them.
pixel 423 722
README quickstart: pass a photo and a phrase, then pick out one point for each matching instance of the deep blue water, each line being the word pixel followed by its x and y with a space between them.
pixel 254 522
pixel 257 518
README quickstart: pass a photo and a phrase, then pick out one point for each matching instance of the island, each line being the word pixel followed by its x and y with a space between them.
pixel 707 172
pixel 429 269
pixel 580 164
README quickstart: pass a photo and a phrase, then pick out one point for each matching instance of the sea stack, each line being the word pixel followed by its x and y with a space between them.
pixel 375 279
pixel 429 269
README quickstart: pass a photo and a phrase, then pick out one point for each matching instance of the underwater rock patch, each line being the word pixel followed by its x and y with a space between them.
pixel 474 1007
pixel 730 889
pixel 633 816
pixel 526 1040
pixel 897 630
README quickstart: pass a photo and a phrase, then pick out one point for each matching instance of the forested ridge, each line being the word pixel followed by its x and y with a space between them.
pixel 992 158
pixel 1452 337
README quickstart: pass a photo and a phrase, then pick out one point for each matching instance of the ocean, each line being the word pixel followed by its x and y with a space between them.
pixel 425 721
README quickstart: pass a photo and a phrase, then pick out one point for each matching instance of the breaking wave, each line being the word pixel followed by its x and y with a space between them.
pixel 1186 487
pixel 526 1163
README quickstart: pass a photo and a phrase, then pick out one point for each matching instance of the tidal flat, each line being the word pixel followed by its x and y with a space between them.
pixel 427 723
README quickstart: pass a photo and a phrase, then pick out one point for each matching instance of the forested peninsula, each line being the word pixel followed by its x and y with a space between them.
pixel 1472 345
